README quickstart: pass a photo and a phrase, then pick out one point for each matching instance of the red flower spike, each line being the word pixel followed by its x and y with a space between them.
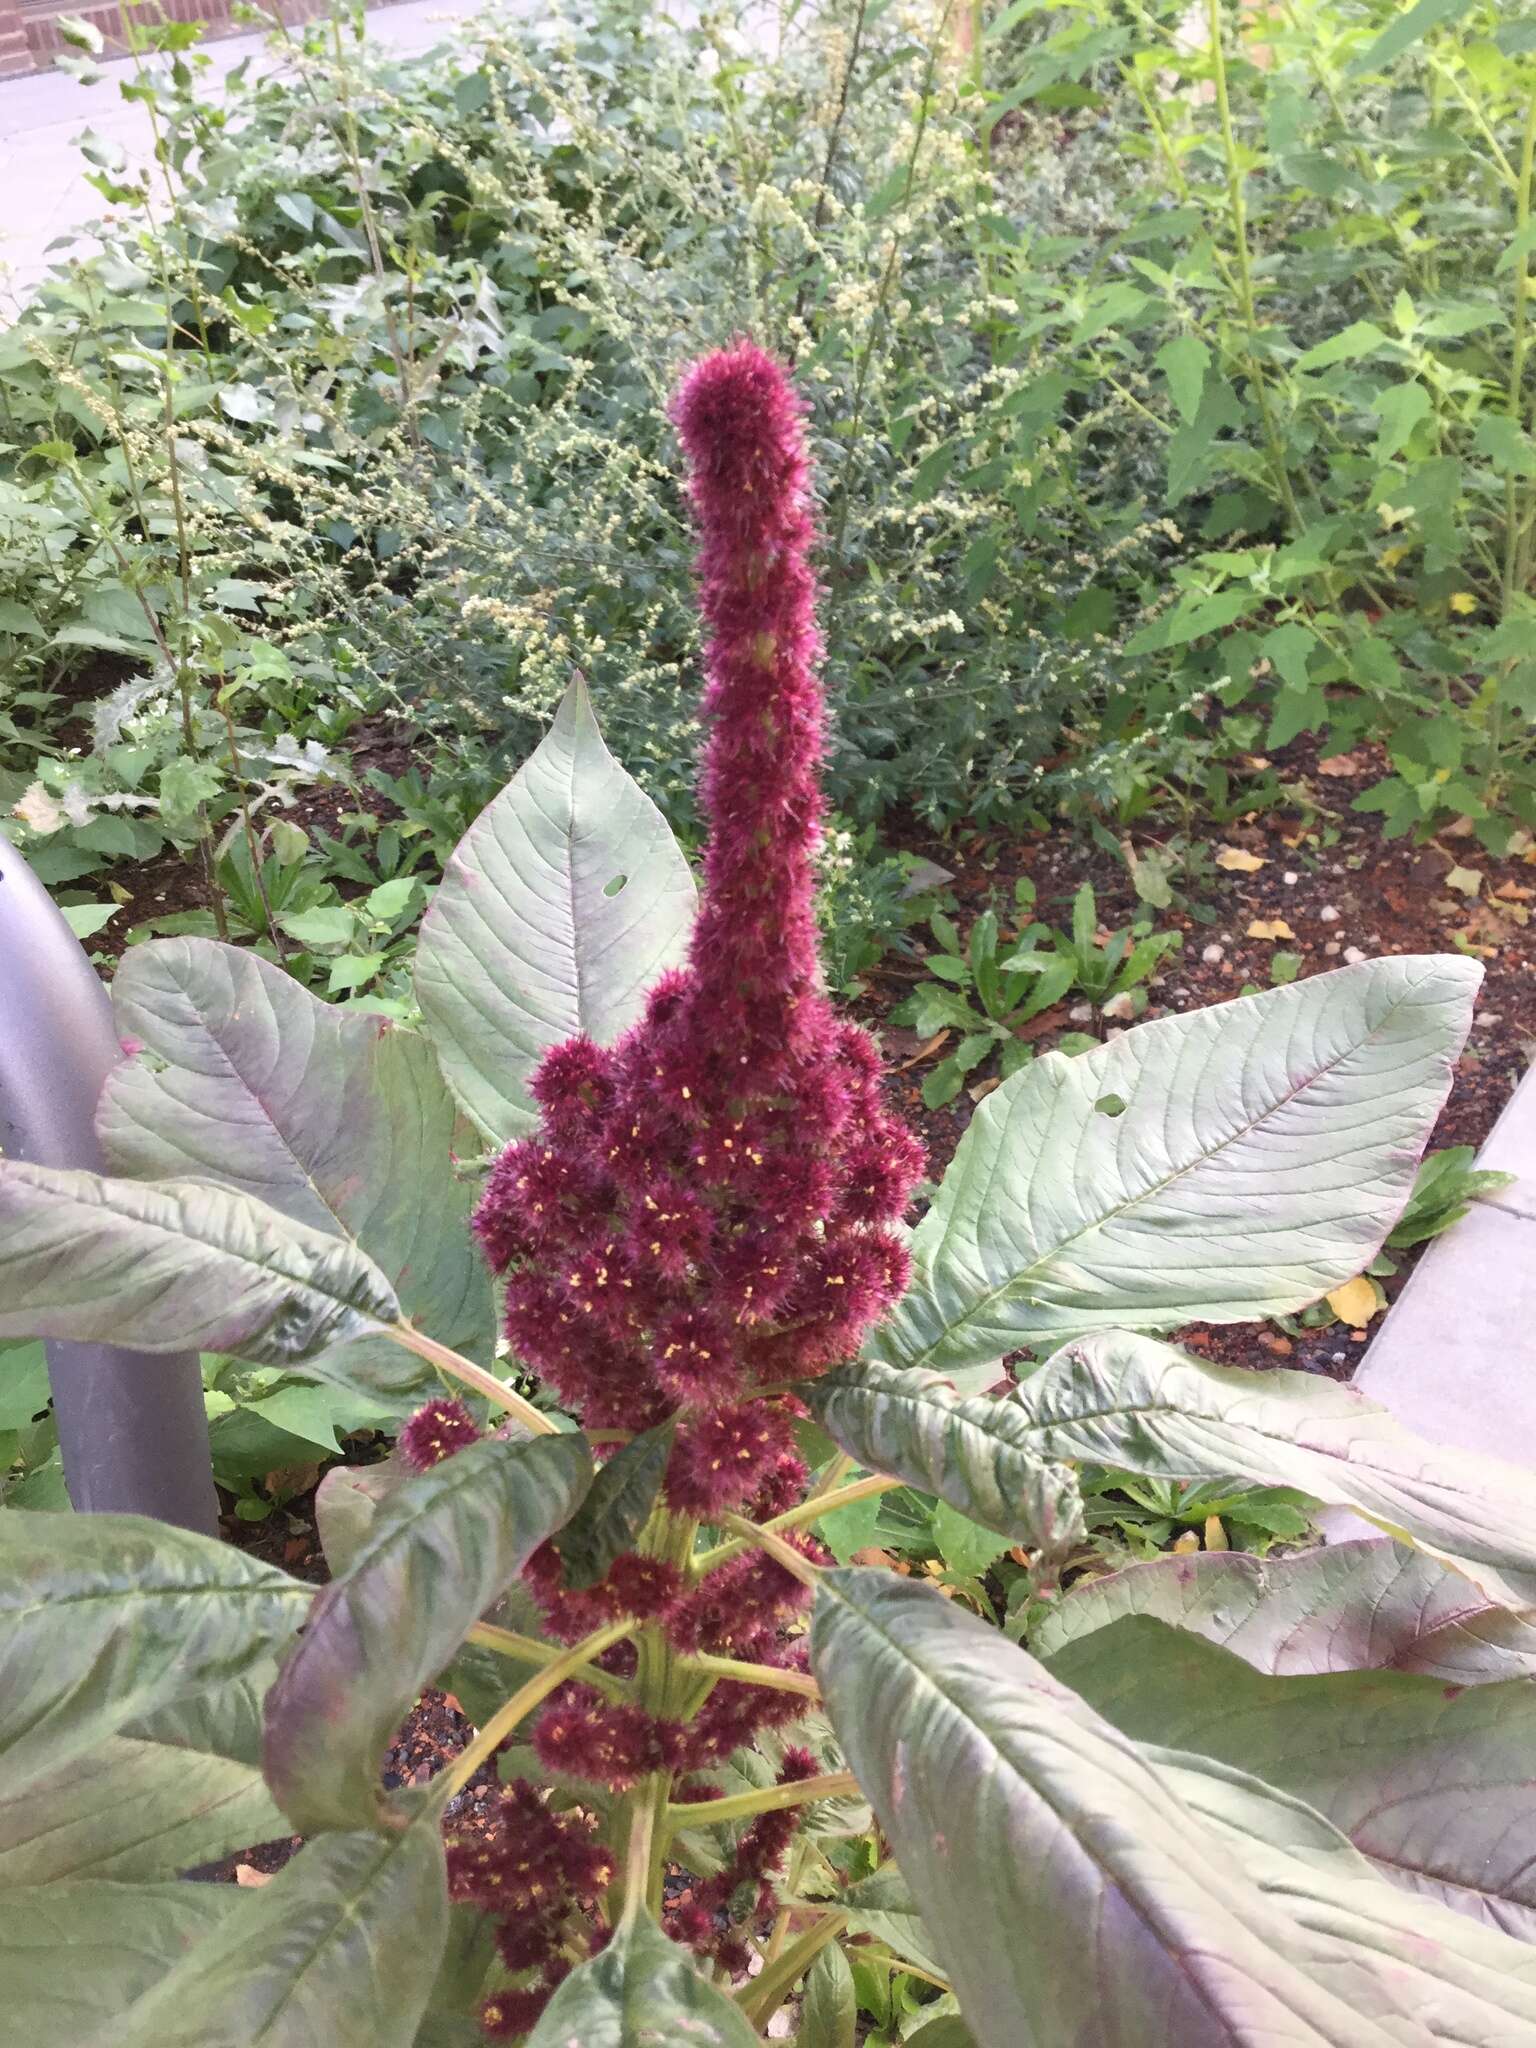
pixel 436 1431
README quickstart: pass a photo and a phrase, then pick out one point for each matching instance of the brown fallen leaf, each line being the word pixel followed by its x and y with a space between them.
pixel 923 1051
pixel 1270 928
pixel 983 1088
pixel 248 1874
pixel 1341 764
pixel 1355 1302
pixel 1237 861
pixel 1465 881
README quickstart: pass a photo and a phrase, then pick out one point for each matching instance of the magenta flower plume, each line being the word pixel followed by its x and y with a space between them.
pixel 704 1211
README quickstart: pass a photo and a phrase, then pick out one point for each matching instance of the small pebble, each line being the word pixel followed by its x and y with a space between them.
pixel 1213 954
pixel 1353 957
pixel 1115 1031
pixel 1332 949
pixel 1290 878
pixel 1080 1013
pixel 1328 914
pixel 1121 1007
pixel 1340 1357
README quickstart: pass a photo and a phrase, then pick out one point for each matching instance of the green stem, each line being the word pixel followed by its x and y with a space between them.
pixel 772 1799
pixel 809 1510
pixel 753 1674
pixel 507 1642
pixel 781 1552
pixel 471 1375
pixel 1238 209
pixel 527 1697
pixel 1514 510
pixel 761 1999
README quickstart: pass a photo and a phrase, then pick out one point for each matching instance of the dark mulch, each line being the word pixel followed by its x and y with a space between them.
pixel 1363 891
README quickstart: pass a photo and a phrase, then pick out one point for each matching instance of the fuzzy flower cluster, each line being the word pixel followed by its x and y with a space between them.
pixel 703 1218
pixel 703 1212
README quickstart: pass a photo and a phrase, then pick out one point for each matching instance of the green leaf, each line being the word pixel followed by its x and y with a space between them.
pixel 1409 27
pixel 1055 1218
pixel 1511 451
pixel 882 1906
pixel 23 1384
pixel 1135 1405
pixel 1017 1814
pixel 131 1809
pixel 338 1119
pixel 1400 408
pixel 563 903
pixel 971 1453
pixel 616 1508
pixel 74 1956
pixel 829 2010
pixel 1363 1605
pixel 177 1265
pixel 340 1950
pixel 966 1548
pixel 440 1549
pixel 642 1991
pixel 86 919
pixel 1360 338
pixel 1184 361
pixel 106 1617
pixel 1290 648
pixel 327 924
pixel 1431 1782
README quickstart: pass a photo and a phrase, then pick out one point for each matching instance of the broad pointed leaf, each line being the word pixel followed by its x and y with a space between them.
pixel 974 1453
pixel 176 1266
pixel 1140 1406
pixel 74 1956
pixel 340 1950
pixel 1220 1166
pixel 640 1992
pixel 829 2006
pixel 882 1905
pixel 616 1509
pixel 106 1617
pixel 1365 1605
pixel 562 904
pixel 1432 1782
pixel 1021 1817
pixel 336 1118
pixel 439 1550
pixel 132 1810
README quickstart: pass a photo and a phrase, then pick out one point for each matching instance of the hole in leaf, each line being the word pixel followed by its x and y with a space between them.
pixel 1110 1105
pixel 612 888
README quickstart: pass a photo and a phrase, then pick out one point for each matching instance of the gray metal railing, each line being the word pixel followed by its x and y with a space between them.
pixel 132 1428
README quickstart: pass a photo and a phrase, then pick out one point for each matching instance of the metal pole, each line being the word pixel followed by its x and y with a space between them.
pixel 132 1428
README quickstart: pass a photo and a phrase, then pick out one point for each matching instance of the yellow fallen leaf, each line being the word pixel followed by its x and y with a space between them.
pixel 1184 1544
pixel 1355 1302
pixel 248 1874
pixel 1215 1534
pixel 1465 881
pixel 1462 601
pixel 1238 862
pixel 1270 928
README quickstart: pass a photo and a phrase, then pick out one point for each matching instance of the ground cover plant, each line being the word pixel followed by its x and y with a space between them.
pixel 1172 389
pixel 709 1812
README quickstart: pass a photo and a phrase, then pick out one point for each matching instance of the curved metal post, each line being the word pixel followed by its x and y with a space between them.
pixel 132 1428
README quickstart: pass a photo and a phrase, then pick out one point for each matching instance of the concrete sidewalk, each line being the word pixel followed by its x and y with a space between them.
pixel 43 193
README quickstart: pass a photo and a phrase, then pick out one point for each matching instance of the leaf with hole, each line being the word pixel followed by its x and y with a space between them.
pixel 177 1265
pixel 1054 1219
pixel 336 1118
pixel 529 940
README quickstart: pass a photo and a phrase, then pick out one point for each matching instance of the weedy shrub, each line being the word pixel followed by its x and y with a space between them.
pixel 611 1555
